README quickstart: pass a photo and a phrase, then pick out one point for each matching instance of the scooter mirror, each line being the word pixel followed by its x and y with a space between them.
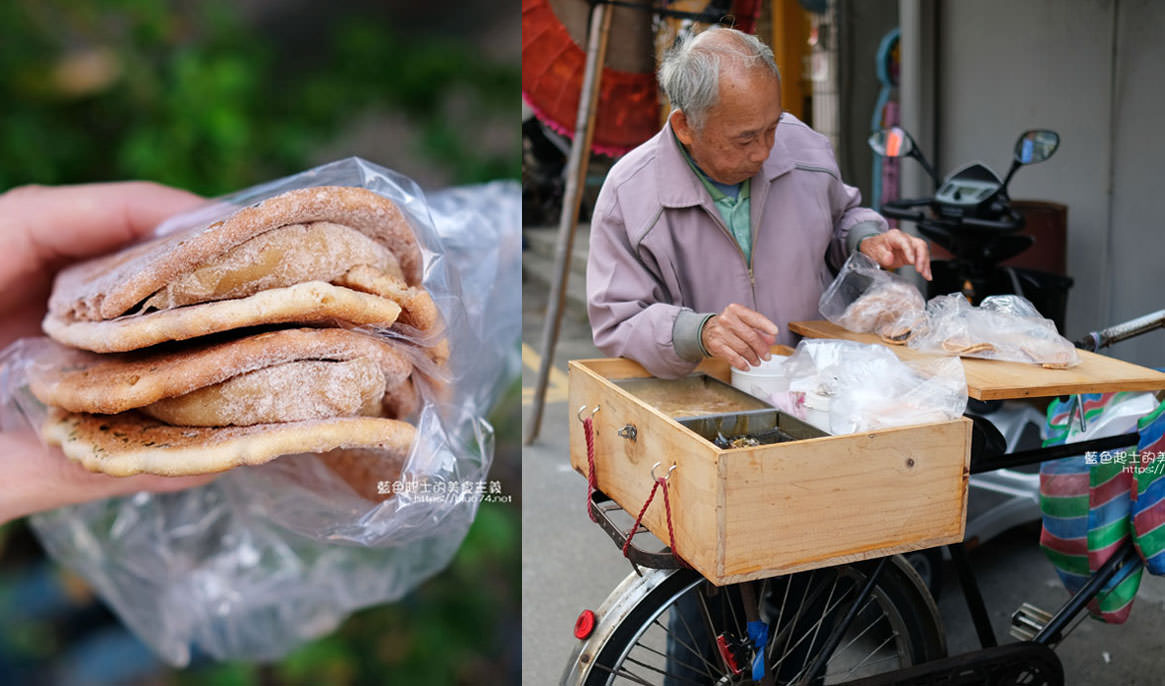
pixel 1036 146
pixel 892 142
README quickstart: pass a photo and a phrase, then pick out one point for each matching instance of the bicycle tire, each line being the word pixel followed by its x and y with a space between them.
pixel 625 656
pixel 929 565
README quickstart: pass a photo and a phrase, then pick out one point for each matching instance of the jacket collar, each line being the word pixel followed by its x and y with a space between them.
pixel 680 187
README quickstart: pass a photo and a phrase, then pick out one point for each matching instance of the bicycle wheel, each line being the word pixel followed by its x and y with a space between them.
pixel 685 630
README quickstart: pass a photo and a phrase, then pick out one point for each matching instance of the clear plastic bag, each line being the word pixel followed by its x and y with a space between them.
pixel 847 387
pixel 877 393
pixel 865 299
pixel 1002 327
pixel 267 557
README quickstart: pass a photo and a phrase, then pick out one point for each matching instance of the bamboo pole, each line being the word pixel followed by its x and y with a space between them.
pixel 580 149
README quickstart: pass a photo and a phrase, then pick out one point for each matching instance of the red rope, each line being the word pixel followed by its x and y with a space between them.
pixel 592 481
pixel 671 532
pixel 593 484
pixel 639 519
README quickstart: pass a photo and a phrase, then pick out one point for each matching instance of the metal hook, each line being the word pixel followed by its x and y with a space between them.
pixel 582 409
pixel 667 476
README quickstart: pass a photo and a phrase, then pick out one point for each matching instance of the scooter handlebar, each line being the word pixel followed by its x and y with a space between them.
pixel 896 211
pixel 906 210
pixel 1006 224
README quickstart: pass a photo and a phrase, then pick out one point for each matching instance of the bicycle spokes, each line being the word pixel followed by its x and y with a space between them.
pixel 701 634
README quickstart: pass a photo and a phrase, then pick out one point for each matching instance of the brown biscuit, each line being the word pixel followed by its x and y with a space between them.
pixel 320 251
pixel 417 308
pixel 896 336
pixel 884 310
pixel 404 400
pixel 288 392
pixel 128 443
pixel 366 470
pixel 960 345
pixel 111 286
pixel 115 383
pixel 314 302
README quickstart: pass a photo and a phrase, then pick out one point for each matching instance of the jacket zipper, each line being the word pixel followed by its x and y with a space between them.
pixel 748 261
pixel 752 279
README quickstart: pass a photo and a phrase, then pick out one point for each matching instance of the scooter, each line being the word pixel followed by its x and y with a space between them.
pixel 970 215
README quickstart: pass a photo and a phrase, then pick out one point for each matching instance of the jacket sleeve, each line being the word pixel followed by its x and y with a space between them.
pixel 851 222
pixel 628 304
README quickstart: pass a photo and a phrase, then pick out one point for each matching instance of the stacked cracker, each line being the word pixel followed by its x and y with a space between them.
pixel 256 336
pixel 892 309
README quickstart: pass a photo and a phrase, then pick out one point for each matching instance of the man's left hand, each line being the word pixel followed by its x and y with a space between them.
pixel 895 249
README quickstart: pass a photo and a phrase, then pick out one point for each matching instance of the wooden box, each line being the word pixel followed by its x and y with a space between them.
pixel 749 513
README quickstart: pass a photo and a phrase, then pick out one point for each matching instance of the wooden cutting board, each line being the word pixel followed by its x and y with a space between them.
pixel 996 380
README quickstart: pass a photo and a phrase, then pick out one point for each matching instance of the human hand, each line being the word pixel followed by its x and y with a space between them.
pixel 739 335
pixel 37 478
pixel 894 249
pixel 43 229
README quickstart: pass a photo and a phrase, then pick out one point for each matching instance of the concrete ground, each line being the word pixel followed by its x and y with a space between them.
pixel 569 564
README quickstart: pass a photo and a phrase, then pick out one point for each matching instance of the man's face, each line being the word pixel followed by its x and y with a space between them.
pixel 738 131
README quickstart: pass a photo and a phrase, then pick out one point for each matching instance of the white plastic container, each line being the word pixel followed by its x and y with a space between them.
pixel 764 379
pixel 768 382
pixel 816 411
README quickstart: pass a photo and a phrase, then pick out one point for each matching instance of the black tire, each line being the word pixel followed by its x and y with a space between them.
pixel 649 645
pixel 929 565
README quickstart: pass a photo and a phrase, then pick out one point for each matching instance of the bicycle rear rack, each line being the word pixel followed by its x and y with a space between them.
pixel 606 510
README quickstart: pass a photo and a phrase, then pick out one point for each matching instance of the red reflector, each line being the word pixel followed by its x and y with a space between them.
pixel 584 625
pixel 726 654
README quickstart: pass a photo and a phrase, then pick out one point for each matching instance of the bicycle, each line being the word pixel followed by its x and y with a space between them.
pixel 866 623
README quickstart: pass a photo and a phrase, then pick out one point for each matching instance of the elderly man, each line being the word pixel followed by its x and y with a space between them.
pixel 730 220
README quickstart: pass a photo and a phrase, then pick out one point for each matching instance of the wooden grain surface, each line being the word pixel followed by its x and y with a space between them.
pixel 753 513
pixel 996 380
pixel 826 501
pixel 623 465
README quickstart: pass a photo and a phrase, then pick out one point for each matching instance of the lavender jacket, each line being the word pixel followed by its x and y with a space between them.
pixel 661 259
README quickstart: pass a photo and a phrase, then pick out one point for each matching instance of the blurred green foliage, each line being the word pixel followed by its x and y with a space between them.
pixel 186 94
pixel 446 632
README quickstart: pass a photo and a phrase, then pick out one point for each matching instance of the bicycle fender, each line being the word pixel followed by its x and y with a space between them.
pixel 610 614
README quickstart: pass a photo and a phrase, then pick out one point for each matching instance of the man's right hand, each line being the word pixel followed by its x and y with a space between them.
pixel 739 335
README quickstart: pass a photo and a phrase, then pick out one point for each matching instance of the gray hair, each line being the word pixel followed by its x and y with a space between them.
pixel 690 71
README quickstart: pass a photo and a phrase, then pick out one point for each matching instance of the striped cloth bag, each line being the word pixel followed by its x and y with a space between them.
pixel 1086 500
pixel 1149 507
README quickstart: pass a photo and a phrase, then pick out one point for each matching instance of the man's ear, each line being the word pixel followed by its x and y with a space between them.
pixel 682 127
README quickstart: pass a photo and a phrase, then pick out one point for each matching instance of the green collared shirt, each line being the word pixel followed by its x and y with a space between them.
pixel 734 211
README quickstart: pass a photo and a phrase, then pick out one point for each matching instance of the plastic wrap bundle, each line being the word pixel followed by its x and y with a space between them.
pixel 865 299
pixel 1002 327
pixel 846 387
pixel 266 557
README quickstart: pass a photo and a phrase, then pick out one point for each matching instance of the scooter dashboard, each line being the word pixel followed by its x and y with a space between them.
pixel 965 193
pixel 968 192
